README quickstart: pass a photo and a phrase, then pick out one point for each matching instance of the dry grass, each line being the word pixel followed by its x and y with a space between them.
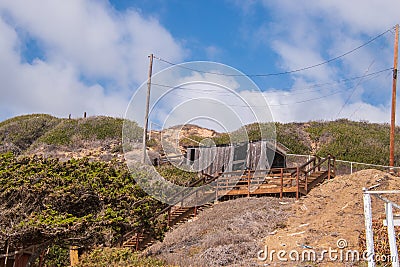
pixel 228 234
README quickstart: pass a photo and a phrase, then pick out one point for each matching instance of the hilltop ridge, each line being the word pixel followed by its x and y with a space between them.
pixel 100 137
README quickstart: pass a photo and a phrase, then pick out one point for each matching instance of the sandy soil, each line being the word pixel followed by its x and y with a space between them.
pixel 330 216
pixel 237 232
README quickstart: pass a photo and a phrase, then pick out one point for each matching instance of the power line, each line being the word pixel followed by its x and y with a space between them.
pixel 283 104
pixel 354 89
pixel 275 105
pixel 263 106
pixel 359 106
pixel 298 89
pixel 285 72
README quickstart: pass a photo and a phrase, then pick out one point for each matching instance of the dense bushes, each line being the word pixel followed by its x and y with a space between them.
pixel 19 133
pixel 44 201
pixel 176 175
pixel 353 141
pixel 93 128
pixel 347 140
pixel 104 257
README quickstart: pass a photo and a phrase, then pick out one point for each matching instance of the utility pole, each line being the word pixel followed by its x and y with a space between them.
pixel 146 116
pixel 394 85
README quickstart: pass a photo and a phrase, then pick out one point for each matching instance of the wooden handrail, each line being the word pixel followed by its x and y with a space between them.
pixel 313 159
pixel 207 175
pixel 328 158
pixel 301 167
pixel 183 198
pixel 198 181
pixel 176 202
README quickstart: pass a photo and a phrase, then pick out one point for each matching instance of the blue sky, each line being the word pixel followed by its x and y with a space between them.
pixel 67 57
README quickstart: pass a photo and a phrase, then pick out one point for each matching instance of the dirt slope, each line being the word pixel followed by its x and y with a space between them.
pixel 228 234
pixel 233 232
pixel 331 212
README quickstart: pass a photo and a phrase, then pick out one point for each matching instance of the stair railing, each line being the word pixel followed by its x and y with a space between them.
pixel 168 208
pixel 186 196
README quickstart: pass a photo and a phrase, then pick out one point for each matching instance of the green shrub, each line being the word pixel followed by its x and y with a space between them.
pixel 55 202
pixel 105 257
pixel 177 175
pixel 18 133
pixel 92 128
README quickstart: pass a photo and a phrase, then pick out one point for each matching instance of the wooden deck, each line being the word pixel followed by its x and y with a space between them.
pixel 297 181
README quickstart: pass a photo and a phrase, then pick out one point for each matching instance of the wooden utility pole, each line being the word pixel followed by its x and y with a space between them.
pixel 146 116
pixel 394 85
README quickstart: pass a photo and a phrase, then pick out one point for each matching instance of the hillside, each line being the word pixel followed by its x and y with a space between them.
pixel 99 138
pixel 38 134
pixel 64 182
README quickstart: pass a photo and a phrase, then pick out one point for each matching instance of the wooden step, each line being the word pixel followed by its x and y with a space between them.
pixel 238 184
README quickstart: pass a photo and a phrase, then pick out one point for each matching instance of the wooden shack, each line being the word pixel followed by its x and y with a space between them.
pixel 264 154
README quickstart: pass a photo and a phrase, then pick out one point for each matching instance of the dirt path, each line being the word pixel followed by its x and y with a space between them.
pixel 330 216
pixel 237 232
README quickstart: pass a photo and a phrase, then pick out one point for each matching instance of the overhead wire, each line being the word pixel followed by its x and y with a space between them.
pixel 296 90
pixel 354 89
pixel 263 106
pixel 284 104
pixel 367 96
pixel 284 72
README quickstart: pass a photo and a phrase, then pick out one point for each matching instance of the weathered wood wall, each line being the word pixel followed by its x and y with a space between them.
pixel 259 155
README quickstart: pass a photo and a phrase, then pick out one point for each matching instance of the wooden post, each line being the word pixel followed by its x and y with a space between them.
pixel 169 217
pixel 146 115
pixel 195 211
pixel 41 257
pixel 137 242
pixel 6 257
pixel 298 184
pixel 329 167
pixel 73 255
pixel 394 84
pixel 216 192
pixel 369 235
pixel 306 182
pixel 394 256
pixel 248 183
pixel 281 193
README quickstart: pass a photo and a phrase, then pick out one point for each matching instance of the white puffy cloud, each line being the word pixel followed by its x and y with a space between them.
pixel 314 31
pixel 94 57
pixel 366 16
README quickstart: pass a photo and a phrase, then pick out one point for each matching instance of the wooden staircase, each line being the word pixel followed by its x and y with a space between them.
pixel 176 216
pixel 139 241
pixel 299 180
pixel 177 213
pixel 315 171
pixel 313 180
